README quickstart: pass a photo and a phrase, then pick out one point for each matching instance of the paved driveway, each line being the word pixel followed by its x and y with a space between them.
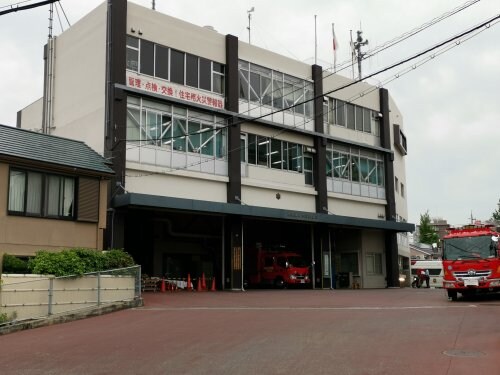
pixel 390 331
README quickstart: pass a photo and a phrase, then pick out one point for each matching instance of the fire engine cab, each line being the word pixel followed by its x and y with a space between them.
pixel 471 261
pixel 278 267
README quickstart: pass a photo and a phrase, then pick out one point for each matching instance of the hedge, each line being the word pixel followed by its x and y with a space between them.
pixel 78 261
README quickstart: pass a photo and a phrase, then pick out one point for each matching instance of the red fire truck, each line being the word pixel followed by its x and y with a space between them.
pixel 471 261
pixel 279 268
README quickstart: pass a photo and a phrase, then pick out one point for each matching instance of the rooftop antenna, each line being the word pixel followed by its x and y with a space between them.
pixel 250 11
pixel 51 19
pixel 357 47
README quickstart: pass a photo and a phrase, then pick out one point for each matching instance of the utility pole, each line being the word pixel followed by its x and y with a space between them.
pixel 249 19
pixel 357 46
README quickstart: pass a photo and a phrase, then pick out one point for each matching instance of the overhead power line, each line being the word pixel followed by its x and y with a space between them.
pixel 456 39
pixel 26 7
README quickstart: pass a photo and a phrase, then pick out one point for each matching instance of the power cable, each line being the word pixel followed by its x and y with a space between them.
pixel 477 28
pixel 26 7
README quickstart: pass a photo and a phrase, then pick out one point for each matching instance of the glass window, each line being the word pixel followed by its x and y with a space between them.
pixel 355 168
pixel 176 66
pixel 34 196
pixel 295 157
pixel 218 78
pixel 243 75
pixel 252 149
pixel 276 154
pixel 372 171
pixel 254 87
pixel 380 173
pixel 350 116
pixel 147 57
pixel 178 133
pixel 161 62
pixel 194 138
pixel 278 91
pixel 298 99
pixel 308 169
pixel 205 74
pixel 17 189
pixel 359 118
pixel 367 121
pixel 220 141
pixel 340 108
pixel 288 96
pixel 133 124
pixel 207 139
pixel 266 91
pixel 26 189
pixel 191 70
pixel 263 150
pixel 363 169
pixel 309 105
pixel 132 53
pixel 166 129
pixel 374 264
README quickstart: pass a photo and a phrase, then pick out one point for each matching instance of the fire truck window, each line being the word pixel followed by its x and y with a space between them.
pixel 268 262
pixel 282 262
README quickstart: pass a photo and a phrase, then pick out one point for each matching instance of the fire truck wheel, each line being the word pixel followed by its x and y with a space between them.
pixel 452 296
pixel 279 283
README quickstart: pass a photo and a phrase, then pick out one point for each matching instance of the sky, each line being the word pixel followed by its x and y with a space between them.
pixel 450 104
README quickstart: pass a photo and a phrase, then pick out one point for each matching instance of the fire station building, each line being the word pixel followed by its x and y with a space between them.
pixel 221 148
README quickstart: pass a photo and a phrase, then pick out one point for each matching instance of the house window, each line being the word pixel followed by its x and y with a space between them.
pixel 396 184
pixel 402 190
pixel 374 264
pixel 40 194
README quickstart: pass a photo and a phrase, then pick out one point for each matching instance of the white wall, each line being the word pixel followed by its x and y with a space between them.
pixel 79 90
pixel 178 184
pixel 175 33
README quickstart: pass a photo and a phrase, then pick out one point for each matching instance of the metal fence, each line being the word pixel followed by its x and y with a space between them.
pixel 37 296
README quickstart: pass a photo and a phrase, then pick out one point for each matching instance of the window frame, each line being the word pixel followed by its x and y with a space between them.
pixel 44 194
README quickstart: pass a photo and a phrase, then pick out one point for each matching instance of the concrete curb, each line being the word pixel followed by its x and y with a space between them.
pixel 71 316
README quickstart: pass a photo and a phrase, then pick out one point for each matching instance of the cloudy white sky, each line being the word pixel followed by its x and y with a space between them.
pixel 450 105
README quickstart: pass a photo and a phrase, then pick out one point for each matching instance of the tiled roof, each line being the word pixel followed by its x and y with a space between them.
pixel 25 144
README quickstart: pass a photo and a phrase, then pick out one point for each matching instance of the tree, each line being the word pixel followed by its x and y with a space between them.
pixel 496 214
pixel 427 233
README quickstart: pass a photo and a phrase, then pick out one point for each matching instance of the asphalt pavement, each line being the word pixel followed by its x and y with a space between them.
pixel 382 331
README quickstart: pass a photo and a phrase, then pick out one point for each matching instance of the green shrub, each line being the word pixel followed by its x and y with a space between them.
pixel 78 261
pixel 13 264
pixel 117 258
pixel 62 263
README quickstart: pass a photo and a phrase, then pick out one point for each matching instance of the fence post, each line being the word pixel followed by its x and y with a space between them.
pixel 138 281
pixel 51 293
pixel 98 289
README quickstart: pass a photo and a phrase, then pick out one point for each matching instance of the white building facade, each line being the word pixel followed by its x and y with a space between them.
pixel 221 147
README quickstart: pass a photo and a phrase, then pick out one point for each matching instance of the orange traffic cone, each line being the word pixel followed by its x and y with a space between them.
pixel 203 283
pixel 212 289
pixel 198 288
pixel 188 287
pixel 163 287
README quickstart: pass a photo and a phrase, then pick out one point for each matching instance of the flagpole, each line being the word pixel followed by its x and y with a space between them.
pixel 334 41
pixel 315 43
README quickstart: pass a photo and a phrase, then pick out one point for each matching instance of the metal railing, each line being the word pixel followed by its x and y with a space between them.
pixel 38 296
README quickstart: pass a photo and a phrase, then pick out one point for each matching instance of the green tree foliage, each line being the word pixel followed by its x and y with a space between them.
pixel 427 233
pixel 78 261
pixel 496 214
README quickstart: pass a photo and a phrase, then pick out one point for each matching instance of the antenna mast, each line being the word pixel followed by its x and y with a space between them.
pixel 357 47
pixel 249 19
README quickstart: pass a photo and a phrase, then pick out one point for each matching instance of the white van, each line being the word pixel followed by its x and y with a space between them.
pixel 435 268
